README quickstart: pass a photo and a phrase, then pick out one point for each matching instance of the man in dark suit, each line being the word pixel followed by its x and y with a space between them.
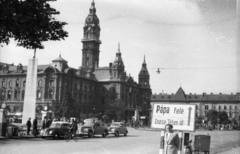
pixel 35 126
pixel 49 122
pixel 29 124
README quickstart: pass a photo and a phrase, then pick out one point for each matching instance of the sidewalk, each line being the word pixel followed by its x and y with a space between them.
pixel 18 137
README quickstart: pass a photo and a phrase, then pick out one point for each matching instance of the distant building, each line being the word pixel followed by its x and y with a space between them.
pixel 204 102
pixel 94 89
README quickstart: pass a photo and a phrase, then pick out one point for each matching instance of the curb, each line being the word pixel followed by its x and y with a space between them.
pixel 18 137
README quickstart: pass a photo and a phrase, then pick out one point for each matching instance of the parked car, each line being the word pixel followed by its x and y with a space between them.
pixel 56 130
pixel 118 128
pixel 91 129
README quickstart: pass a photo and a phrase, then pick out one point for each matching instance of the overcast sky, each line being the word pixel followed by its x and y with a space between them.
pixel 193 42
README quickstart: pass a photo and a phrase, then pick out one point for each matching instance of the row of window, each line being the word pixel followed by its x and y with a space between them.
pixel 10 84
pixel 220 107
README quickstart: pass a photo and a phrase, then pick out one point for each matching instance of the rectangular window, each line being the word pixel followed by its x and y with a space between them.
pixel 206 107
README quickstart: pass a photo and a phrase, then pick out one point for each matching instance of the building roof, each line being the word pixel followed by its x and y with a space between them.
pixel 59 59
pixel 180 96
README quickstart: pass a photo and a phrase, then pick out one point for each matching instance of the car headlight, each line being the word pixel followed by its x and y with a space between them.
pixel 50 132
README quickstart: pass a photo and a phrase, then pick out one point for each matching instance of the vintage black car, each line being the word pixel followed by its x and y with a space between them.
pixel 56 130
pixel 117 128
pixel 91 129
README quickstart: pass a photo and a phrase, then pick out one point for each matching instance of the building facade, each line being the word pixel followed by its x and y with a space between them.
pixel 94 89
pixel 204 102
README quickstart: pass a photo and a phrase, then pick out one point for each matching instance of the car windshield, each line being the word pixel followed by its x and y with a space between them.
pixel 54 125
pixel 115 124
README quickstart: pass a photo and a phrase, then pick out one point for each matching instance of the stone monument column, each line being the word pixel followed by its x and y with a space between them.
pixel 29 105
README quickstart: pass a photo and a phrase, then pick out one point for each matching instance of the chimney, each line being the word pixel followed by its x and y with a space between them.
pixel 211 93
pixel 231 93
pixel 190 93
pixel 220 93
pixel 204 93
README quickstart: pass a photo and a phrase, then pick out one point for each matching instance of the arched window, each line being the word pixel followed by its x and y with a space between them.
pixel 225 107
pixel 51 83
pixel 23 94
pixel 15 94
pixel 17 83
pixel 3 83
pixel 24 83
pixel 39 83
pixel 236 107
pixel 85 88
pixel 39 94
pixel 9 94
pixel 230 107
pixel 10 83
pixel 219 107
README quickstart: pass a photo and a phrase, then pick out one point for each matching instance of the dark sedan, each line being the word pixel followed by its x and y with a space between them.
pixel 56 130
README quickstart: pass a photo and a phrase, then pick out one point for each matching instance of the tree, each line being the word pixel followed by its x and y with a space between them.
pixel 29 23
pixel 65 108
pixel 223 117
pixel 212 116
pixel 199 120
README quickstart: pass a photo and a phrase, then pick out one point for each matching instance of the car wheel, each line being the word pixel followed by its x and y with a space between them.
pixel 125 134
pixel 90 135
pixel 56 136
pixel 116 133
pixel 104 134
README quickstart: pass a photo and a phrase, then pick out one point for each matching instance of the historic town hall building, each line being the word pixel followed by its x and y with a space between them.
pixel 94 89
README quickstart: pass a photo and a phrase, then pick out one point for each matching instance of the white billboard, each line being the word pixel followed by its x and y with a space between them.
pixel 181 116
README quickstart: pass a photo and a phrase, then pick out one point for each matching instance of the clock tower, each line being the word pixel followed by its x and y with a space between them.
pixel 91 41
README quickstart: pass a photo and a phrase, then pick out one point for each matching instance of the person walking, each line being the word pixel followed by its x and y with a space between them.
pixel 29 124
pixel 35 126
pixel 171 140
pixel 49 122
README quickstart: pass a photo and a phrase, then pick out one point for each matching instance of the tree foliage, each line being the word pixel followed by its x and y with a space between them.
pixel 212 116
pixel 29 23
pixel 65 108
pixel 223 117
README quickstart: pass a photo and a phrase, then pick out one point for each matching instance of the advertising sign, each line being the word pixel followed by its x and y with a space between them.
pixel 181 116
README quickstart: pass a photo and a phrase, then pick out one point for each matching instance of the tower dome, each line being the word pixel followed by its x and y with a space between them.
pixel 92 18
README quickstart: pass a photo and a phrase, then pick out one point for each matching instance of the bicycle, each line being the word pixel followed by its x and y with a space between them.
pixel 69 135
pixel 188 148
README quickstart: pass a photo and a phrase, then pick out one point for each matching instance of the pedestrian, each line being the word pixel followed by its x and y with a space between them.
pixel 49 122
pixel 29 124
pixel 35 126
pixel 171 140
pixel 44 123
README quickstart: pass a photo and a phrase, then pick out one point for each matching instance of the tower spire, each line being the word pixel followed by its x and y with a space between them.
pixel 118 46
pixel 144 59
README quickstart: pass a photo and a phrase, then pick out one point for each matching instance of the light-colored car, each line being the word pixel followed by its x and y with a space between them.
pixel 91 129
pixel 117 128
pixel 56 130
